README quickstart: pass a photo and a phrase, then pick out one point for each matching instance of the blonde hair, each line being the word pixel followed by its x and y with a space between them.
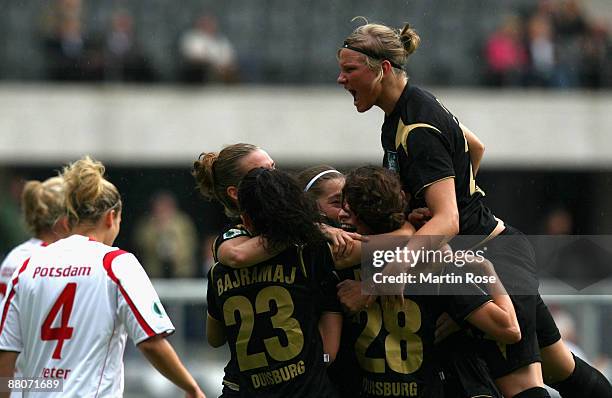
pixel 215 172
pixel 88 194
pixel 381 42
pixel 43 204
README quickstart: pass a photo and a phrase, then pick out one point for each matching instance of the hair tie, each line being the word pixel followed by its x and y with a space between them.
pixel 372 55
pixel 321 174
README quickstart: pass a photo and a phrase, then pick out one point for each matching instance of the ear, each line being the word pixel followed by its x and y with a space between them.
pixel 405 198
pixel 109 218
pixel 386 66
pixel 61 226
pixel 232 192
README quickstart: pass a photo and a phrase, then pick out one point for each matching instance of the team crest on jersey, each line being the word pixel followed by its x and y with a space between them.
pixel 232 233
pixel 158 309
pixel 391 163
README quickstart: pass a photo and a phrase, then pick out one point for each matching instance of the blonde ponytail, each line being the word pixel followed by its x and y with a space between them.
pixel 88 194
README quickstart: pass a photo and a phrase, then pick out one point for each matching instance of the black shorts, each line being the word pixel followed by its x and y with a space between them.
pixel 546 329
pixel 513 258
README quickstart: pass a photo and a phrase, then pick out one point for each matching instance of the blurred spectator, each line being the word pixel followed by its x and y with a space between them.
pixel 596 56
pixel 541 49
pixel 206 55
pixel 559 222
pixel 505 54
pixel 570 28
pixel 567 327
pixel 67 50
pixel 570 21
pixel 166 239
pixel 563 48
pixel 12 228
pixel 123 57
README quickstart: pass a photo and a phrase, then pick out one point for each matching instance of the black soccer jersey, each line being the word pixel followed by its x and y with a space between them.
pixel 424 143
pixel 394 344
pixel 271 312
pixel 230 379
pixel 228 234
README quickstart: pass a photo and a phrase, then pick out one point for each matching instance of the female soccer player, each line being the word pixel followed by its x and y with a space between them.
pixel 102 293
pixel 44 213
pixel 217 177
pixel 431 151
pixel 270 313
pixel 375 205
pixel 43 209
pixel 324 185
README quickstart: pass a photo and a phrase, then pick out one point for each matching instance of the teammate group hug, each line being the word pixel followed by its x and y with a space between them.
pixel 285 292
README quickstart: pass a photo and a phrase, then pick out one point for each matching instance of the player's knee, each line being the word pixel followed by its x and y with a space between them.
pixel 535 392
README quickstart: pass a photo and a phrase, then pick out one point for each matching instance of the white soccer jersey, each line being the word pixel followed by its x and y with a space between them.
pixel 69 310
pixel 14 260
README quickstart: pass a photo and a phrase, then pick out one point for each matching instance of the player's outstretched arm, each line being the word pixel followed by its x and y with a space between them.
pixel 243 252
pixel 7 367
pixel 162 356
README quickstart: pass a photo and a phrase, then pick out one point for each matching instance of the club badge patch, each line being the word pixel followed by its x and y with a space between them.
pixel 234 232
pixel 391 161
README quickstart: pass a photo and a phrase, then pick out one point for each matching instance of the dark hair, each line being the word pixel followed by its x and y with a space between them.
pixel 214 172
pixel 374 195
pixel 305 177
pixel 278 209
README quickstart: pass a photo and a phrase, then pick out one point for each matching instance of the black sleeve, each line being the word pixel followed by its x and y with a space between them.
pixel 228 234
pixel 428 159
pixel 460 307
pixel 324 277
pixel 211 297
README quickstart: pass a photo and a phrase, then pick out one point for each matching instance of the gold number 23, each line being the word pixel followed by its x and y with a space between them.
pixel 281 320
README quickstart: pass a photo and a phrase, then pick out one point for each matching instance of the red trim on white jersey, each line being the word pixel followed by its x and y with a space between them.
pixel 7 303
pixel 107 261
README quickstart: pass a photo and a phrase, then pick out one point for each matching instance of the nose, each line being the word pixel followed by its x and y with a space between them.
pixel 341 78
pixel 343 216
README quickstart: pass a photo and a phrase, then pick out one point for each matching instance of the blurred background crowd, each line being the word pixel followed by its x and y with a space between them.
pixel 543 43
